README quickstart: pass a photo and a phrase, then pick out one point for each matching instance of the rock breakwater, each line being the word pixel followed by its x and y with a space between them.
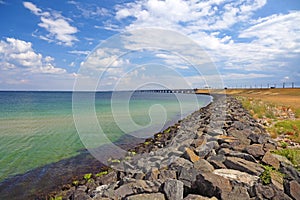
pixel 218 152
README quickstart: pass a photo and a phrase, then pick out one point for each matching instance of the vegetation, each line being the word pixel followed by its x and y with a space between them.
pixel 266 175
pixel 273 116
pixel 101 173
pixel 75 183
pixel 292 155
pixel 87 176
pixel 56 198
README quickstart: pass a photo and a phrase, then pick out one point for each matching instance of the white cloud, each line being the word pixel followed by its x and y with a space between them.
pixel 77 52
pixel 58 26
pixel 90 10
pixel 17 58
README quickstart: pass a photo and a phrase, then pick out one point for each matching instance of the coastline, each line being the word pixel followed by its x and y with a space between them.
pixel 61 173
pixel 208 155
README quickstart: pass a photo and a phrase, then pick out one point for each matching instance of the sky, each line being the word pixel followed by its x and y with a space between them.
pixel 130 44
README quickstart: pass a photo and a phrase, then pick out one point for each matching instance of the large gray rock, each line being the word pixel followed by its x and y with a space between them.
pixel 236 175
pixel 237 193
pixel 203 166
pixel 243 165
pixel 198 197
pixel 211 185
pixel 293 189
pixel 188 176
pixel 136 187
pixel 173 189
pixel 152 196
pixel 255 150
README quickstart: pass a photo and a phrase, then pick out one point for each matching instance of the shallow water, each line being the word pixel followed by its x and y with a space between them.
pixel 37 128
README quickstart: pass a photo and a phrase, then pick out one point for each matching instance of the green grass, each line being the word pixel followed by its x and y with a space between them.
pixel 297 112
pixel 288 127
pixel 292 155
pixel 258 108
pixel 266 175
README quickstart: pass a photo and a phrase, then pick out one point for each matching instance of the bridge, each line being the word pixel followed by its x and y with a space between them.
pixel 186 91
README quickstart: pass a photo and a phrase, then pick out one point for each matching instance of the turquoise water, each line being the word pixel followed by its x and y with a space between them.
pixel 37 128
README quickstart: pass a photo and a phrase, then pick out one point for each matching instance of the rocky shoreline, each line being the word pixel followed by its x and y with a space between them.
pixel 218 152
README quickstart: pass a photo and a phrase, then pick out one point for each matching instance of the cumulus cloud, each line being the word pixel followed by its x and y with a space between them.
pixel 227 30
pixel 17 57
pixel 58 27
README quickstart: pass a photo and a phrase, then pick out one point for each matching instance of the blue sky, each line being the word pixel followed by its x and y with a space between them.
pixel 43 44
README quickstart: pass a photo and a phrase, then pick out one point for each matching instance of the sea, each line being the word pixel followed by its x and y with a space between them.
pixel 41 145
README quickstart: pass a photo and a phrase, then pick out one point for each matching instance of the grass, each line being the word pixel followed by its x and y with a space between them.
pixel 291 128
pixel 292 154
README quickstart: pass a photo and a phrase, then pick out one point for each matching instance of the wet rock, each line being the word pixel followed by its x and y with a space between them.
pixel 243 165
pixel 210 185
pixel 107 178
pixel 293 189
pixel 255 150
pixel 173 189
pixel 203 166
pixel 236 175
pixel 190 155
pixel 152 196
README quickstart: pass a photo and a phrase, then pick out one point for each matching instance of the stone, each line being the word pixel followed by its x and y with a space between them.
pixel 198 197
pixel 152 175
pixel 167 174
pixel 201 140
pixel 258 138
pixel 108 178
pixel 236 175
pixel 255 150
pixel 282 159
pixel 237 193
pixel 203 151
pixel 203 166
pixel 243 165
pixel 265 191
pixel 211 185
pixel 152 196
pixel 293 189
pixel 277 179
pixel 217 161
pixel 139 186
pixel 173 189
pixel 243 156
pixel 290 172
pixel 190 155
pixel 139 175
pixel 269 159
pixel 188 176
pixel 241 135
pixel 181 162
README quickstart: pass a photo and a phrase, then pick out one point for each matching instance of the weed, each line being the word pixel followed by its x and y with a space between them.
pixel 292 155
pixel 266 175
pixel 75 183
pixel 87 176
pixel 56 198
pixel 101 173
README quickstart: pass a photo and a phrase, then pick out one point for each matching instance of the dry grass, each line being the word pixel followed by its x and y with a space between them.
pixel 263 102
